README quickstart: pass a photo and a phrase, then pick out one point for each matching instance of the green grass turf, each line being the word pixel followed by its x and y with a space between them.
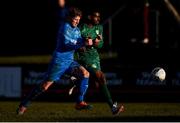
pixel 60 112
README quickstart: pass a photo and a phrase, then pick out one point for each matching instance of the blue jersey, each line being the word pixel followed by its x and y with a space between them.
pixel 68 39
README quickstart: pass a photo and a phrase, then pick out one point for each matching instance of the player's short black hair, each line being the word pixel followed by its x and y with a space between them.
pixel 93 11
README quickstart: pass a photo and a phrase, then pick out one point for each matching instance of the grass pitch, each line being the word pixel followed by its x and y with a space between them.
pixel 65 112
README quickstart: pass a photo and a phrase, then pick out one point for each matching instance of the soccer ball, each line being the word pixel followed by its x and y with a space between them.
pixel 159 73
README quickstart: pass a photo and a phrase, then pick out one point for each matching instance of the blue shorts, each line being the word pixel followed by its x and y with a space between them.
pixel 58 67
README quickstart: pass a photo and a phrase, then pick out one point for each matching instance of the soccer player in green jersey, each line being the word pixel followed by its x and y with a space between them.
pixel 88 56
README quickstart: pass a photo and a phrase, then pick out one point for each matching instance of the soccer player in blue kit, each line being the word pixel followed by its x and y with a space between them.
pixel 68 40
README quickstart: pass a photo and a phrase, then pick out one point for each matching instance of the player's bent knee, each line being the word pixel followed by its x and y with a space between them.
pixel 99 74
pixel 100 77
pixel 46 85
pixel 84 72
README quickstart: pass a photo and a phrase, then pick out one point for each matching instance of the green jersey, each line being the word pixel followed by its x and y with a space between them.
pixel 89 56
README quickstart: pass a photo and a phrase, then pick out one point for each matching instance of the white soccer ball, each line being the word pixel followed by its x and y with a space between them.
pixel 159 73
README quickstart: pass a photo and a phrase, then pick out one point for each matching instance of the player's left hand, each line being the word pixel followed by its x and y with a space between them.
pixel 97 39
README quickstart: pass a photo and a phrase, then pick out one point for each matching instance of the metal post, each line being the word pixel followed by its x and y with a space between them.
pixel 157 29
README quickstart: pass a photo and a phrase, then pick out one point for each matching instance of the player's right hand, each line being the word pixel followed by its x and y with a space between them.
pixel 89 42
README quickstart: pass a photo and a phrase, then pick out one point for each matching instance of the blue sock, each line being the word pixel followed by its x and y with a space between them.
pixel 83 85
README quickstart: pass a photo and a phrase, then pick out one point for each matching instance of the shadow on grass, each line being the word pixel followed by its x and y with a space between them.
pixel 127 119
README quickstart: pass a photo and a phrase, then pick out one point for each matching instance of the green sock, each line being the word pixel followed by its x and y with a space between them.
pixel 107 95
